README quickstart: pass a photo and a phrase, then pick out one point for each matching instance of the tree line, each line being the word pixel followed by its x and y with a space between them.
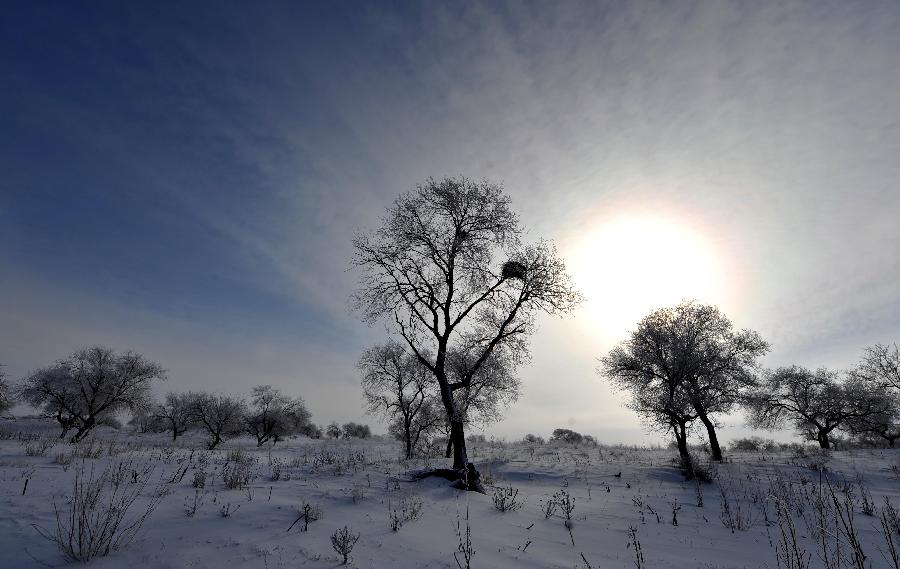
pixel 93 385
pixel 686 364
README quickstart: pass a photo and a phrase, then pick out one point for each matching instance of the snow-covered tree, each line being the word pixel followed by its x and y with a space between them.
pixel 272 416
pixel 91 386
pixel 221 416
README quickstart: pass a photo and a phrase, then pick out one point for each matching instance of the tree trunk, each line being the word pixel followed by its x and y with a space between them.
pixel 458 438
pixel 824 441
pixel 681 440
pixel 713 439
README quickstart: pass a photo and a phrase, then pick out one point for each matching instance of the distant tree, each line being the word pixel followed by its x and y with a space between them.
pixel 815 403
pixel 274 416
pixel 692 348
pixel 221 416
pixel 7 397
pixel 90 386
pixel 333 430
pixel 176 413
pixel 567 436
pixel 353 430
pixel 310 430
pixel 146 421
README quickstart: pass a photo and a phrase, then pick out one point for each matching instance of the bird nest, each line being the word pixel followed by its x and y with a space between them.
pixel 513 270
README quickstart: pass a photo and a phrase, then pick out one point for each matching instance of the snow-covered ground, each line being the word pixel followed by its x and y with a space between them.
pixel 363 485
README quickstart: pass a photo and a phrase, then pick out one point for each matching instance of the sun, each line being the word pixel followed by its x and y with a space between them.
pixel 628 265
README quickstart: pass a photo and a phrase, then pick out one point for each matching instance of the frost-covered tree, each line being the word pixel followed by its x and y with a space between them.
pixel 333 430
pixel 176 413
pixel 878 375
pixel 353 430
pixel 448 272
pixel 692 349
pixel 90 387
pixel 398 387
pixel 816 403
pixel 221 416
pixel 7 398
pixel 273 416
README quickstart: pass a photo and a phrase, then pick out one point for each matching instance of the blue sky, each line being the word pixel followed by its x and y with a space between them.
pixel 185 179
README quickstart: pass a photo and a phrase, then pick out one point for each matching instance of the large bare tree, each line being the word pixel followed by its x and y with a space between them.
pixel 690 353
pixel 91 386
pixel 448 272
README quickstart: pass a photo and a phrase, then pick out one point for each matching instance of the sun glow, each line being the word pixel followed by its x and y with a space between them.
pixel 630 265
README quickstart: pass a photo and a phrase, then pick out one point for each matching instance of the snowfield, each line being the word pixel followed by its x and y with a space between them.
pixel 234 506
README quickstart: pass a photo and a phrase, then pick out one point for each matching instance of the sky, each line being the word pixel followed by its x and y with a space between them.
pixel 185 179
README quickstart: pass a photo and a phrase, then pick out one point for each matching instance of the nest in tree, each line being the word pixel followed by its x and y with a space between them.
pixel 513 270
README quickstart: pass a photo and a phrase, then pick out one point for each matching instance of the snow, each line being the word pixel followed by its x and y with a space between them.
pixel 354 482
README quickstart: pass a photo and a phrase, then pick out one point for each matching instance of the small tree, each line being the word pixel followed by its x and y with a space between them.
pixel 176 413
pixel 90 386
pixel 221 416
pixel 447 270
pixel 274 416
pixel 396 385
pixel 333 430
pixel 815 403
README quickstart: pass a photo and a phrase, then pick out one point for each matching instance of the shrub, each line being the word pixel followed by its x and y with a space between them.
pixel 343 540
pixel 95 521
pixel 506 499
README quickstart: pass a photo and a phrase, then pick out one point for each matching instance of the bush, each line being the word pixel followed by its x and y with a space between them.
pixel 753 444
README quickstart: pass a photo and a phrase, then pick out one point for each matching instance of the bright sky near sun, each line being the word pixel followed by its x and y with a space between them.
pixel 185 179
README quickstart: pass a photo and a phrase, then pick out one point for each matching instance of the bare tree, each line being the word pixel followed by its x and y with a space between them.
pixel 7 398
pixel 448 272
pixel 396 385
pixel 274 416
pixel 176 413
pixel 688 352
pixel 815 403
pixel 881 365
pixel 221 416
pixel 657 397
pixel 91 386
